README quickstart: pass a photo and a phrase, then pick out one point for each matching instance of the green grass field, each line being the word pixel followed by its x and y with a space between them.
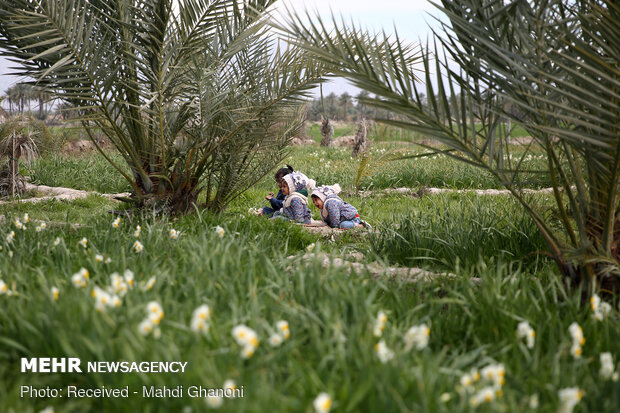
pixel 383 133
pixel 254 275
pixel 325 165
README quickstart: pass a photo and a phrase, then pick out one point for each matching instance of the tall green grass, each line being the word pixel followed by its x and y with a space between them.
pixel 89 172
pixel 325 165
pixel 331 165
pixel 314 131
pixel 446 231
pixel 385 133
pixel 247 277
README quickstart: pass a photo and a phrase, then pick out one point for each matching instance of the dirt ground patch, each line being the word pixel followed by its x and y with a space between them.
pixel 83 147
pixel 77 147
pixel 303 141
pixel 524 140
pixel 344 141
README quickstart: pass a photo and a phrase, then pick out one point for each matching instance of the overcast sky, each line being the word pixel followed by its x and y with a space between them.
pixel 410 17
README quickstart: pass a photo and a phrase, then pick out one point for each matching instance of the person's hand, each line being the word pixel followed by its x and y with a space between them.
pixel 268 197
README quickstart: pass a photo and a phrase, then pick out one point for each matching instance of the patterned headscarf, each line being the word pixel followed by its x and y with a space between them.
pixel 324 191
pixel 297 181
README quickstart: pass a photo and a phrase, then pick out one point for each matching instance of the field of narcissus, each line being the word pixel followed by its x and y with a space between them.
pixel 305 321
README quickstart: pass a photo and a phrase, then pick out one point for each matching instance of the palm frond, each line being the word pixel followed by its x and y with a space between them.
pixel 553 63
pixel 186 98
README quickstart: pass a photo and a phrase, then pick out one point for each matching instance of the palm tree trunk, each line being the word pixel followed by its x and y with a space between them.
pixel 327 132
pixel 360 139
pixel 508 128
pixel 12 166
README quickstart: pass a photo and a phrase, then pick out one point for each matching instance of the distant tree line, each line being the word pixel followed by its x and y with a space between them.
pixel 344 108
pixel 20 96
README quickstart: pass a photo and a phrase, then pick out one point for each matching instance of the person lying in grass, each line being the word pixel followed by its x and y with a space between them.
pixel 276 201
pixel 334 211
pixel 295 204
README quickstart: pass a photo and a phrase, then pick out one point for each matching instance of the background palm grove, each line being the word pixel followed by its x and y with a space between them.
pixel 490 278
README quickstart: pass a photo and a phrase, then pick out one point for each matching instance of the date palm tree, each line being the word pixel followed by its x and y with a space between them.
pixel 345 100
pixel 10 97
pixel 43 96
pixel 15 145
pixel 198 99
pixel 556 64
pixel 20 94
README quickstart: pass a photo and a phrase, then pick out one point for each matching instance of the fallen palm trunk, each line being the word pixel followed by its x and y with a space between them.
pixel 403 274
pixel 331 234
pixel 60 193
pixel 423 191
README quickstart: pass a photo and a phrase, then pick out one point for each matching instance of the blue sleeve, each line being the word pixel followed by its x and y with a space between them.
pixel 333 214
pixel 277 202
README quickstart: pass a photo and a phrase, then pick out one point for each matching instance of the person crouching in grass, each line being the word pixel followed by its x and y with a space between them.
pixel 277 200
pixel 295 205
pixel 334 211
